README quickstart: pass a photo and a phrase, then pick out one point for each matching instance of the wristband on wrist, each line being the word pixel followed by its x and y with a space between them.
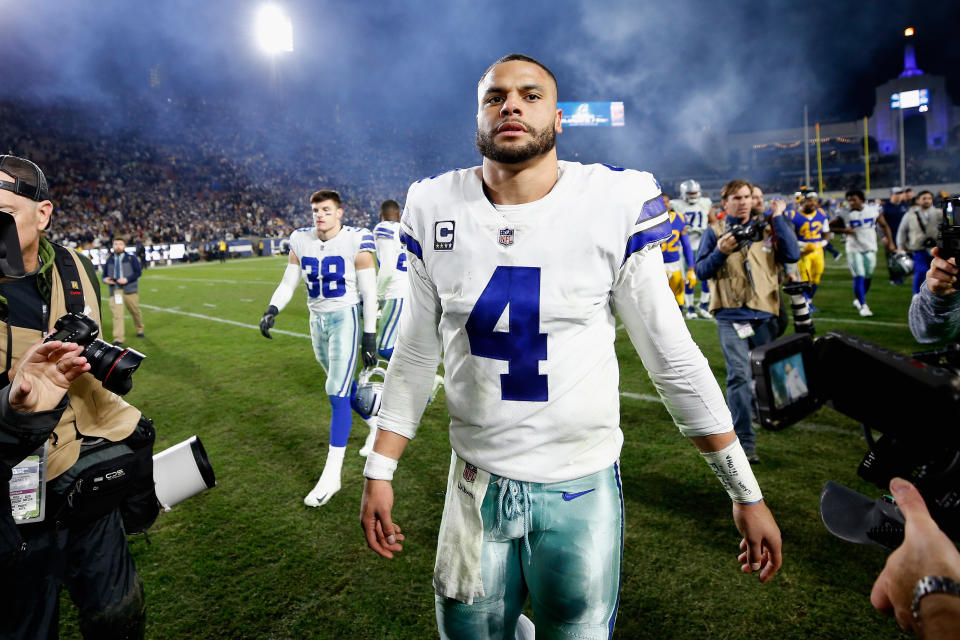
pixel 379 467
pixel 732 468
pixel 931 584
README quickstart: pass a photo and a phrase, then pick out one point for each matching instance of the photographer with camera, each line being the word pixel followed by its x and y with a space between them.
pixel 738 257
pixel 920 583
pixel 918 235
pixel 80 543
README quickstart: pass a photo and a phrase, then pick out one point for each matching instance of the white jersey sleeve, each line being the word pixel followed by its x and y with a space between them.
pixel 392 277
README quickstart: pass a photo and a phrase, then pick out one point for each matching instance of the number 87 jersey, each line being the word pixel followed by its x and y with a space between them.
pixel 329 268
pixel 520 297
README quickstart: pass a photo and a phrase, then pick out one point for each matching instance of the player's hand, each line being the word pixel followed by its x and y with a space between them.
pixel 942 275
pixel 926 550
pixel 691 281
pixel 727 244
pixel 761 544
pixel 383 536
pixel 44 374
pixel 266 322
pixel 368 349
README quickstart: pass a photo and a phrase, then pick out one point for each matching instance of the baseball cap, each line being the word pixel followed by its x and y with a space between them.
pixel 896 190
pixel 29 180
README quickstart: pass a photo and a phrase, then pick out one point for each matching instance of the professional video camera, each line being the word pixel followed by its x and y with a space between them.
pixel 948 236
pixel 919 422
pixel 11 259
pixel 111 365
pixel 749 231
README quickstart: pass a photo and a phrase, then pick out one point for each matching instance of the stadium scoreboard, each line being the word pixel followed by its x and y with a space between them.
pixel 591 114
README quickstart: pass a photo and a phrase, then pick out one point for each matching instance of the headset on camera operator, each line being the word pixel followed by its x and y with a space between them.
pixel 738 259
pixel 935 310
pixel 79 542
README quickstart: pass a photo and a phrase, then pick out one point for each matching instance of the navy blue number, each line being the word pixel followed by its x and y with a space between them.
pixel 402 261
pixel 333 268
pixel 312 267
pixel 523 346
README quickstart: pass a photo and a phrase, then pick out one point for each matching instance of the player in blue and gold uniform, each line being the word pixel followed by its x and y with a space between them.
pixel 671 248
pixel 812 226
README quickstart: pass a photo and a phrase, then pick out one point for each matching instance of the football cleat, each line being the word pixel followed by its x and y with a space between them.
pixel 327 485
pixel 368 444
pixel 703 313
pixel 525 629
pixel 865 310
pixel 691 313
pixel 857 304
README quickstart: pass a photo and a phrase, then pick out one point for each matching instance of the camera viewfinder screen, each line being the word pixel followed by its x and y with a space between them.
pixel 788 381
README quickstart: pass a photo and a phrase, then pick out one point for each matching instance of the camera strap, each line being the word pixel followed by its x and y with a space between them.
pixel 69 278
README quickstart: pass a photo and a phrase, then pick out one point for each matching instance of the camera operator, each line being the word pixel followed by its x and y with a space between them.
pixel 935 311
pixel 86 551
pixel 920 583
pixel 744 290
pixel 918 235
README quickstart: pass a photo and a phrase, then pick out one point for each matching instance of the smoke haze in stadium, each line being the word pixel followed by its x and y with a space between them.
pixel 406 70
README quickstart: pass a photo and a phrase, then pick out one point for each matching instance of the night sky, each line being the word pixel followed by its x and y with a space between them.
pixel 412 66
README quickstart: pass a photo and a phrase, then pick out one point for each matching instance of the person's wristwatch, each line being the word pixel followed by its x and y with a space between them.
pixel 931 584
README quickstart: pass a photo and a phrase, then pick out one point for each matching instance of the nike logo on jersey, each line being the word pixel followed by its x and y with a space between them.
pixel 573 496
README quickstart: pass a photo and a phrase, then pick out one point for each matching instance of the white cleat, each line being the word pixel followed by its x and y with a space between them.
pixel 327 485
pixel 703 313
pixel 437 383
pixel 368 444
pixel 865 310
pixel 525 629
pixel 857 304
pixel 691 314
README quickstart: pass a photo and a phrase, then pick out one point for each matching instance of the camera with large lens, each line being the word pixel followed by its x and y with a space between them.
pixel 749 231
pixel 113 366
pixel 948 236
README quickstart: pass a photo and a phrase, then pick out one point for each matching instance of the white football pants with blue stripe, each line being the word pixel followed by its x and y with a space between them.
pixel 389 326
pixel 570 568
pixel 336 336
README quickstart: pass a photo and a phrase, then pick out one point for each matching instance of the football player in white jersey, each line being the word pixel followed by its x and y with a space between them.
pixel 336 263
pixel 695 210
pixel 392 276
pixel 515 268
pixel 858 222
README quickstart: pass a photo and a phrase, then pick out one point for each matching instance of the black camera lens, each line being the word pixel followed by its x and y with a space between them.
pixel 113 366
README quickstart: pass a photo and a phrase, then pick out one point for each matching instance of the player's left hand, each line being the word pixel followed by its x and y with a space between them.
pixel 368 348
pixel 761 544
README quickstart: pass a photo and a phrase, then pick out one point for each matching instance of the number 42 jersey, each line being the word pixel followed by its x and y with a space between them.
pixel 329 268
pixel 521 299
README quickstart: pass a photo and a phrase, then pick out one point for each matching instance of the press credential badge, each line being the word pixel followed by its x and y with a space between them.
pixel 28 485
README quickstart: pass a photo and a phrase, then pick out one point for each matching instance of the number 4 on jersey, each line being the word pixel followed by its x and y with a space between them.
pixel 522 346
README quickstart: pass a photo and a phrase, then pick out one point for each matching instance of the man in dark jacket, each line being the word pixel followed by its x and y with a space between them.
pixel 121 271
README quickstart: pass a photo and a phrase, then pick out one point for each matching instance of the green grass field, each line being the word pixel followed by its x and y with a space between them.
pixel 248 560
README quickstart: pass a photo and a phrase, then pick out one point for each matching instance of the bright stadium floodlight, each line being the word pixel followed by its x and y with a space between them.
pixel 274 30
pixel 908 32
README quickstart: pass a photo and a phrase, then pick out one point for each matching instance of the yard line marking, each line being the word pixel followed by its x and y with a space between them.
pixel 208 281
pixel 877 323
pixel 207 304
pixel 223 320
pixel 246 299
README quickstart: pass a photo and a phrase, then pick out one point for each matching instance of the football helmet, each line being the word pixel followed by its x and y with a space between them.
pixel 900 264
pixel 369 390
pixel 690 190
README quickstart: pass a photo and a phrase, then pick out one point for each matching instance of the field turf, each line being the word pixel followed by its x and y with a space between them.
pixel 248 560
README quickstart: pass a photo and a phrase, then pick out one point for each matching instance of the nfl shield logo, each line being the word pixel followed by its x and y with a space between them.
pixel 469 472
pixel 506 237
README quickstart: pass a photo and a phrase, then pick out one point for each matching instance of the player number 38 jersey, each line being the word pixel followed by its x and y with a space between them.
pixel 328 268
pixel 523 297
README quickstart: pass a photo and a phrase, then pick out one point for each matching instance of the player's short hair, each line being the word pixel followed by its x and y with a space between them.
pixel 733 186
pixel 855 192
pixel 390 206
pixel 930 193
pixel 326 194
pixel 519 57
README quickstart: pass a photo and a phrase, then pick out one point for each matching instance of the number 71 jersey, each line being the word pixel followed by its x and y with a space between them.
pixel 522 296
pixel 329 268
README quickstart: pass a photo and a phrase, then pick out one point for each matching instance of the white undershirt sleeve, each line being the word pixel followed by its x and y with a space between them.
pixel 288 284
pixel 679 371
pixel 387 255
pixel 410 376
pixel 367 286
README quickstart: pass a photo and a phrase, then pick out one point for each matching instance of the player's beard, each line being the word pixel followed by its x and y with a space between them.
pixel 543 141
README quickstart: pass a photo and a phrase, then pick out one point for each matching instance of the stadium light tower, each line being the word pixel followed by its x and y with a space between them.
pixel 274 30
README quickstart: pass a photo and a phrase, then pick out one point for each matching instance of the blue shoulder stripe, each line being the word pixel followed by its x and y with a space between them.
pixel 651 209
pixel 412 245
pixel 368 246
pixel 383 233
pixel 643 239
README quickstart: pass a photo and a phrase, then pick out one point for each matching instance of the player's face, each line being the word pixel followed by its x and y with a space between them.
pixel 756 195
pixel 692 196
pixel 855 202
pixel 30 217
pixel 517 118
pixel 739 202
pixel 925 201
pixel 809 205
pixel 326 215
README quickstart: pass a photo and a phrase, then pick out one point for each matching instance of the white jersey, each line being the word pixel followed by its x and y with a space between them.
pixel 695 215
pixel 329 268
pixel 864 225
pixel 392 277
pixel 521 299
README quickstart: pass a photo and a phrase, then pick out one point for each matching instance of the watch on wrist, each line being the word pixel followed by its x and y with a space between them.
pixel 931 584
